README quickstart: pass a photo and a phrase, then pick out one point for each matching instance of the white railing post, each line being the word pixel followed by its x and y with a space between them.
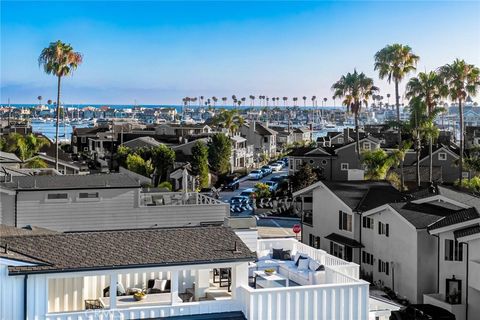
pixel 113 291
pixel 174 286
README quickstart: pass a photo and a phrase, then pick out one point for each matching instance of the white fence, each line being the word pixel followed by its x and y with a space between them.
pixel 176 199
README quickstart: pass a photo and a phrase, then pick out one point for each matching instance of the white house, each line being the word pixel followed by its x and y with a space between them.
pixel 263 138
pixel 183 271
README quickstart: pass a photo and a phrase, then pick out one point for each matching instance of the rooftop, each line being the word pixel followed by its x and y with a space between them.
pixel 459 216
pixel 63 182
pixel 127 248
pixel 421 215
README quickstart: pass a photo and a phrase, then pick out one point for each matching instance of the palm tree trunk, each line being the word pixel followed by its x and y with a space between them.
pixel 430 151
pixel 418 159
pixel 460 110
pixel 57 123
pixel 397 102
pixel 358 134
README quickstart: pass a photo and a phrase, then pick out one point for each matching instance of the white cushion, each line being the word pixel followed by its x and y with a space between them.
pixel 160 284
pixel 267 263
pixel 314 265
pixel 303 264
pixel 300 254
pixel 263 254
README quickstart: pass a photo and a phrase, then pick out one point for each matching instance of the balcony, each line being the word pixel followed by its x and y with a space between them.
pixel 438 299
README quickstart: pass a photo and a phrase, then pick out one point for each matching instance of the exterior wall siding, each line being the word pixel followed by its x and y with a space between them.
pixel 116 209
pixel 7 209
pixel 11 295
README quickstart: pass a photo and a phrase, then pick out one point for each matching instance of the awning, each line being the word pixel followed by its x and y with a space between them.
pixel 344 240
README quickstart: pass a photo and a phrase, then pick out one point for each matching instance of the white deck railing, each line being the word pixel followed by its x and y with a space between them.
pixel 349 268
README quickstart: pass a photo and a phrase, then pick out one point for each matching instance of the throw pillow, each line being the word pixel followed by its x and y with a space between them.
pixel 315 265
pixel 286 255
pixel 263 254
pixel 293 254
pixel 160 285
pixel 303 264
pixel 300 258
pixel 277 254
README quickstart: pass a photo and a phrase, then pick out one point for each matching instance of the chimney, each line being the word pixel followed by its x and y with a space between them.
pixel 346 135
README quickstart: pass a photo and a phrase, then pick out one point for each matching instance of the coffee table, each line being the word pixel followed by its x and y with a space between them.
pixel 276 280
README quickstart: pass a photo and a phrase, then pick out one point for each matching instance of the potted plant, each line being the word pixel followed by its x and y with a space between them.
pixel 139 296
pixel 269 272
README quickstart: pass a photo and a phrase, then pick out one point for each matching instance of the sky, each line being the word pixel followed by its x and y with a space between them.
pixel 159 52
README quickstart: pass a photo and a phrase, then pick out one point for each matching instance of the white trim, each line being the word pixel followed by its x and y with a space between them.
pixel 438 150
pixel 387 208
pixel 309 188
pixel 342 168
pixel 442 154
pixel 469 238
pixel 453 227
pixel 354 143
pixel 442 198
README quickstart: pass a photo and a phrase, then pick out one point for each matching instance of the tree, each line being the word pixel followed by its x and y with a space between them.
pixel 25 147
pixel 461 79
pixel 139 165
pixel 378 163
pixel 162 158
pixel 304 177
pixel 427 87
pixel 200 162
pixel 219 153
pixel 262 190
pixel 230 120
pixel 35 163
pixel 121 155
pixel 472 161
pixel 60 60
pixel 394 62
pixel 356 89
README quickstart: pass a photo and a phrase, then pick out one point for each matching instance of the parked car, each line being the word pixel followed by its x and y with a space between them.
pixel 422 312
pixel 277 166
pixel 279 179
pixel 240 204
pixel 267 169
pixel 255 175
pixel 248 192
pixel 232 184
pixel 272 185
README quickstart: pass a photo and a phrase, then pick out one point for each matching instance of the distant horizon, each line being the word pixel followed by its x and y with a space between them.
pixel 156 51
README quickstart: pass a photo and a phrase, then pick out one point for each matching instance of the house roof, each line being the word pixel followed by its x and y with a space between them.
pixel 344 240
pixel 264 131
pixel 352 193
pixel 8 231
pixel 421 215
pixel 310 152
pixel 379 195
pixel 128 249
pixel 142 142
pixel 63 182
pixel 465 232
pixel 6 157
pixel 459 216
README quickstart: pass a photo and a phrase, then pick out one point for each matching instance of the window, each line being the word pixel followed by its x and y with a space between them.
pixel 307 199
pixel 336 250
pixel 311 240
pixel 340 140
pixel 366 146
pixel 88 195
pixel 74 139
pixel 324 162
pixel 85 149
pixel 442 156
pixel 368 222
pixel 344 221
pixel 344 166
pixel 367 258
pixel 298 164
pixel 290 162
pixel 84 139
pixel 453 250
pixel 317 242
pixel 310 161
pixel 265 139
pixel 56 196
pixel 383 267
pixel 383 228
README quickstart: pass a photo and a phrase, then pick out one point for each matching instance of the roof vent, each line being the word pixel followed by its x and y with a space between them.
pixel 235 249
pixel 6 248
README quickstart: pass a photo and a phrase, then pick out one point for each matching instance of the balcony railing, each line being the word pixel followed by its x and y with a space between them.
pixel 176 199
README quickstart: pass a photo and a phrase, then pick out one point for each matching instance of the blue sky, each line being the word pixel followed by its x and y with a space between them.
pixel 158 52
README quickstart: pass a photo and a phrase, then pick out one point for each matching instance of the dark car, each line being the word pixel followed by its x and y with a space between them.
pixel 422 312
pixel 231 183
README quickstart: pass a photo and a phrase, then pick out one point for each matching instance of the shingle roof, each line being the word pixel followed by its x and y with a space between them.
pixel 9 157
pixel 353 192
pixel 128 248
pixel 379 195
pixel 94 181
pixel 344 240
pixel 457 217
pixel 421 215
pixel 460 196
pixel 264 131
pixel 142 142
pixel 465 232
pixel 8 231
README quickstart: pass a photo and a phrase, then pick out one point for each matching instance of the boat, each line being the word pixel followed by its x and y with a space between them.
pixel 38 120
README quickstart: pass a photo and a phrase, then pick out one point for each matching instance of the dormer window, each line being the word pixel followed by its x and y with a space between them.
pixel 366 146
pixel 442 156
pixel 340 140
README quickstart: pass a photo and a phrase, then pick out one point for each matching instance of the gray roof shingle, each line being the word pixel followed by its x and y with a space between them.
pixel 128 248
pixel 421 215
pixel 465 232
pixel 63 182
pixel 457 217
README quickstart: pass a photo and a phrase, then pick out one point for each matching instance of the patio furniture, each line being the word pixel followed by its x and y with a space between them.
pixel 223 277
pixel 93 304
pixel 263 280
pixel 186 296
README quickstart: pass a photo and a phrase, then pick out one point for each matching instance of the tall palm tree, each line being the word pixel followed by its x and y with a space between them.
pixel 428 87
pixel 60 60
pixel 461 79
pixel 356 88
pixel 304 101
pixel 285 101
pixel 388 98
pixel 394 62
pixel 295 99
pixel 325 101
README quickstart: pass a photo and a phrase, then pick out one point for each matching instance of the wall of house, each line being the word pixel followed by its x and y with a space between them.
pixel 322 163
pixel 473 276
pixel 400 247
pixel 11 295
pixel 326 208
pixel 346 155
pixel 7 209
pixel 449 169
pixel 450 268
pixel 427 263
pixel 115 209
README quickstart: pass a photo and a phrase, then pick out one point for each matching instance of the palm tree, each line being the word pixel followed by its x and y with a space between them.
pixel 224 100
pixel 325 101
pixel 25 147
pixel 355 88
pixel 388 98
pixel 304 101
pixel 60 60
pixel 428 87
pixel 295 99
pixel 394 62
pixel 40 100
pixel 285 101
pixel 461 79
pixel 378 162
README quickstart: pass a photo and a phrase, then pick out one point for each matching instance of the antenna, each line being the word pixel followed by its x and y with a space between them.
pixel 235 249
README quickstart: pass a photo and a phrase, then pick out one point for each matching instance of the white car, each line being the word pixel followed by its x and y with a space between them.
pixel 272 185
pixel 255 175
pixel 277 166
